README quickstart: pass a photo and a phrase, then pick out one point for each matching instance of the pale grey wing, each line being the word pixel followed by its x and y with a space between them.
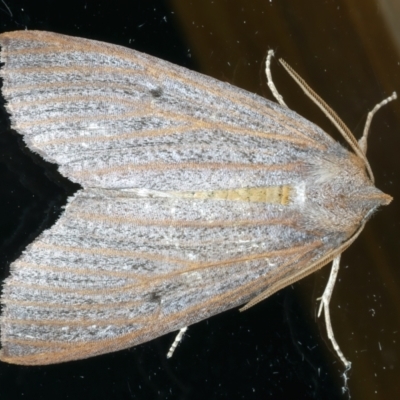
pixel 121 268
pixel 115 118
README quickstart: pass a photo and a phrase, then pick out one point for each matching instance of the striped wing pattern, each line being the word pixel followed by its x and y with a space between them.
pixel 115 118
pixel 115 271
pixel 130 260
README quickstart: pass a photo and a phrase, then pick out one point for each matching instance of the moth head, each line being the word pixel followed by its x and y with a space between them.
pixel 340 193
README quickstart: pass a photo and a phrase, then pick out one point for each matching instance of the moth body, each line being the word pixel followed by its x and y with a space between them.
pixel 196 197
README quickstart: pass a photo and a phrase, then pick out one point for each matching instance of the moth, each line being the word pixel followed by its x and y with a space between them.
pixel 197 197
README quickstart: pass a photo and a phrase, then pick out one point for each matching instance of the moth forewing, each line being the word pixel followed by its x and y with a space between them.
pixel 197 197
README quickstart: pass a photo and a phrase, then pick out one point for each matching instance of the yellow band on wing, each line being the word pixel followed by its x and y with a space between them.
pixel 271 194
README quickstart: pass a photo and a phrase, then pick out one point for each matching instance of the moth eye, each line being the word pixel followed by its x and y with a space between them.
pixel 157 92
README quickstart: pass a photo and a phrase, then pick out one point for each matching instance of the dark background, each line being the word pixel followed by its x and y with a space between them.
pixel 348 51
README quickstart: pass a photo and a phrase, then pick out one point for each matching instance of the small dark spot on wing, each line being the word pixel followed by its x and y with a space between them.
pixel 155 297
pixel 157 92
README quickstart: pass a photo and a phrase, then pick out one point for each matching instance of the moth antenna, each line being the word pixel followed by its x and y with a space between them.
pixel 331 114
pixel 8 8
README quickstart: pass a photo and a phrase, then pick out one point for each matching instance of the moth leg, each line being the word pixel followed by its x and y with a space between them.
pixel 363 141
pixel 270 82
pixel 178 338
pixel 324 305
